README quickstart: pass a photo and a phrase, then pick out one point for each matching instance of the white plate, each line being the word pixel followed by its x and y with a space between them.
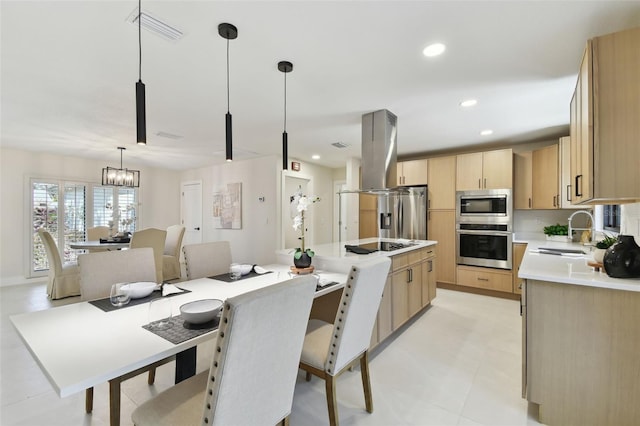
pixel 200 311
pixel 139 289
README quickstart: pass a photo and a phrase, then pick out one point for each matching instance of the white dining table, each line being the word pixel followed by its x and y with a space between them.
pixel 97 245
pixel 79 346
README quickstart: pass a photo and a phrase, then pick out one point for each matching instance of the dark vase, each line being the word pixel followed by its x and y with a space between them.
pixel 622 260
pixel 303 262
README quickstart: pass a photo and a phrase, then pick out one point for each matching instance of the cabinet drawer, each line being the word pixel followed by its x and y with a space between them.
pixel 483 278
pixel 415 256
pixel 428 253
pixel 399 261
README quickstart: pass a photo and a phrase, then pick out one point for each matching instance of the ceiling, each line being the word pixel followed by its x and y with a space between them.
pixel 69 71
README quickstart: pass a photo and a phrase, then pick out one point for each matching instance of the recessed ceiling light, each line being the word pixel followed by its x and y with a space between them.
pixel 315 157
pixel 434 50
pixel 486 132
pixel 468 103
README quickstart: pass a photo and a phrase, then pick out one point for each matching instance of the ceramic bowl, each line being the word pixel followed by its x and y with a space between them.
pixel 139 289
pixel 200 311
pixel 244 268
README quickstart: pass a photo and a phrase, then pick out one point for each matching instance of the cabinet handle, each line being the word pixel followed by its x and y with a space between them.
pixel 483 279
pixel 479 184
pixel 430 266
pixel 428 204
pixel 529 202
pixel 568 192
pixel 408 276
pixel 485 182
pixel 554 201
pixel 578 193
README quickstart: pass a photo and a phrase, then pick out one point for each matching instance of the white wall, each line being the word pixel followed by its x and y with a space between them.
pixel 630 221
pixel 159 199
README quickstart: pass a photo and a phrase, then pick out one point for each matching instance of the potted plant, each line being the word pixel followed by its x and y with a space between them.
pixel 300 203
pixel 557 232
pixel 602 246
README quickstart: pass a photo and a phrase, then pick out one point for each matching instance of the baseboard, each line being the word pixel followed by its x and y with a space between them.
pixel 481 291
pixel 21 280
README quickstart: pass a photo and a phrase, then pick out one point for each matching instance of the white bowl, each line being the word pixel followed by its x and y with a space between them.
pixel 244 268
pixel 139 289
pixel 200 311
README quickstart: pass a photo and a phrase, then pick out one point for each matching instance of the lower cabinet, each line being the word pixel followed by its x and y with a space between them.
pixel 518 253
pixel 485 278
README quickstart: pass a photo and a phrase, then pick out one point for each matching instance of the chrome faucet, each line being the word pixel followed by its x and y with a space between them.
pixel 592 229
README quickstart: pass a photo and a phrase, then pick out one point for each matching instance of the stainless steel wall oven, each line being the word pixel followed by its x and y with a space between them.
pixel 484 228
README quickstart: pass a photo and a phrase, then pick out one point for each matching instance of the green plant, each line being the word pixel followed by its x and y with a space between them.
pixel 556 229
pixel 606 242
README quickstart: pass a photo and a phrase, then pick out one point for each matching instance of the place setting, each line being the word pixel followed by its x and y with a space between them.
pixel 241 271
pixel 135 293
pixel 196 318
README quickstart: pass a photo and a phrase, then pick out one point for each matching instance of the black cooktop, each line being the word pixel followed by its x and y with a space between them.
pixel 376 246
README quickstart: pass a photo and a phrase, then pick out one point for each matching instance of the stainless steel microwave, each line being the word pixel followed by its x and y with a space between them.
pixel 485 206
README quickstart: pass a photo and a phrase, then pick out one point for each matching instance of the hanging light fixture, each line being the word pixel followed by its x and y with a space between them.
pixel 228 32
pixel 141 119
pixel 120 177
pixel 285 67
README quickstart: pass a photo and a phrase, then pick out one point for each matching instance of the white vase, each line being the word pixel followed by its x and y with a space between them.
pixel 598 255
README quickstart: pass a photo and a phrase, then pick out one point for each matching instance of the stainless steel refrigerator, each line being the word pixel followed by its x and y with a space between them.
pixel 403 215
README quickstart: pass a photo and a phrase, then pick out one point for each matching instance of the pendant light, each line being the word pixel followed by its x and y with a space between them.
pixel 141 119
pixel 228 32
pixel 285 67
pixel 120 177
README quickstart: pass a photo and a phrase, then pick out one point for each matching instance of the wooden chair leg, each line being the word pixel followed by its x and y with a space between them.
pixel 284 422
pixel 307 377
pixel 366 381
pixel 88 400
pixel 330 385
pixel 152 376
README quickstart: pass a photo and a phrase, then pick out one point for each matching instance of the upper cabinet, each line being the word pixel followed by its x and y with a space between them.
pixel 412 172
pixel 484 170
pixel 545 178
pixel 522 183
pixel 442 183
pixel 605 124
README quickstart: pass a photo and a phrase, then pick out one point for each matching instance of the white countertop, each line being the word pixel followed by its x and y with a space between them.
pixel 334 257
pixel 568 269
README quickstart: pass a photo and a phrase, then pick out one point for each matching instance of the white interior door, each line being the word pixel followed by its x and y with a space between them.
pixel 191 211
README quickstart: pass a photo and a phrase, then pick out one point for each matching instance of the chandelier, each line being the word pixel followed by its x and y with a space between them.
pixel 120 177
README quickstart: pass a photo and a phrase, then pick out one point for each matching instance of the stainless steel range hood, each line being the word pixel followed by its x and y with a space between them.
pixel 379 147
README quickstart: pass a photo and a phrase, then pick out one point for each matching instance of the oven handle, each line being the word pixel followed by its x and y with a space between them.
pixel 473 232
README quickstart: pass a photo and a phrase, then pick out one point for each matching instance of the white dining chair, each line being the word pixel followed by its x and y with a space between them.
pixel 207 259
pixel 64 279
pixel 97 232
pixel 171 255
pixel 254 367
pixel 154 238
pixel 100 270
pixel 330 349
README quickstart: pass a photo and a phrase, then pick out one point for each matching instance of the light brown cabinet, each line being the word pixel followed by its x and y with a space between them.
pixel 604 122
pixel 429 277
pixel 564 170
pixel 368 216
pixel 442 228
pixel 406 287
pixel 518 253
pixel 442 183
pixel 522 180
pixel 412 172
pixel 545 178
pixel 488 279
pixel 484 170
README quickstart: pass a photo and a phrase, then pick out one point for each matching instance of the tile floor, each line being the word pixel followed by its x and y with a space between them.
pixel 458 363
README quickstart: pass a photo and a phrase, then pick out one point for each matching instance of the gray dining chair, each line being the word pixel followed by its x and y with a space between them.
pixel 330 349
pixel 207 259
pixel 254 367
pixel 64 278
pixel 171 254
pixel 100 270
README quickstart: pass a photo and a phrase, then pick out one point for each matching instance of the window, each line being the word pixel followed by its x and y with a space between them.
pixel 611 218
pixel 67 209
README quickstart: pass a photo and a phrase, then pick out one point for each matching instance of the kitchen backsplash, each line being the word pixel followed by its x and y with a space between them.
pixel 630 220
pixel 535 220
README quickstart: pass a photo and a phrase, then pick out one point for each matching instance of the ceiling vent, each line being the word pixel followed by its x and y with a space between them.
pixel 340 144
pixel 168 135
pixel 155 25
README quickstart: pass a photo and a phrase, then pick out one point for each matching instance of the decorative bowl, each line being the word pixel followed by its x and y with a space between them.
pixel 139 289
pixel 244 268
pixel 200 311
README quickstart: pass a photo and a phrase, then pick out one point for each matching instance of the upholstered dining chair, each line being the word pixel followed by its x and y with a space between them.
pixel 171 255
pixel 154 238
pixel 64 279
pixel 207 259
pixel 254 367
pixel 99 270
pixel 97 232
pixel 330 349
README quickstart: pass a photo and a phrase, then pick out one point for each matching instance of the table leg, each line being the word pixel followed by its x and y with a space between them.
pixel 186 364
pixel 114 402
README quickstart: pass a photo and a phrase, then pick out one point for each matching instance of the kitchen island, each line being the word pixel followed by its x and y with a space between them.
pixel 581 339
pixel 410 287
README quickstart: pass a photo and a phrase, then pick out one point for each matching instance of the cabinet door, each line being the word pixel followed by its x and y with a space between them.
pixel 415 172
pixel 414 290
pixel 523 185
pixel 545 178
pixel 469 171
pixel 564 172
pixel 583 185
pixel 384 319
pixel 428 281
pixel 442 228
pixel 442 183
pixel 400 297
pixel 497 169
pixel 518 253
